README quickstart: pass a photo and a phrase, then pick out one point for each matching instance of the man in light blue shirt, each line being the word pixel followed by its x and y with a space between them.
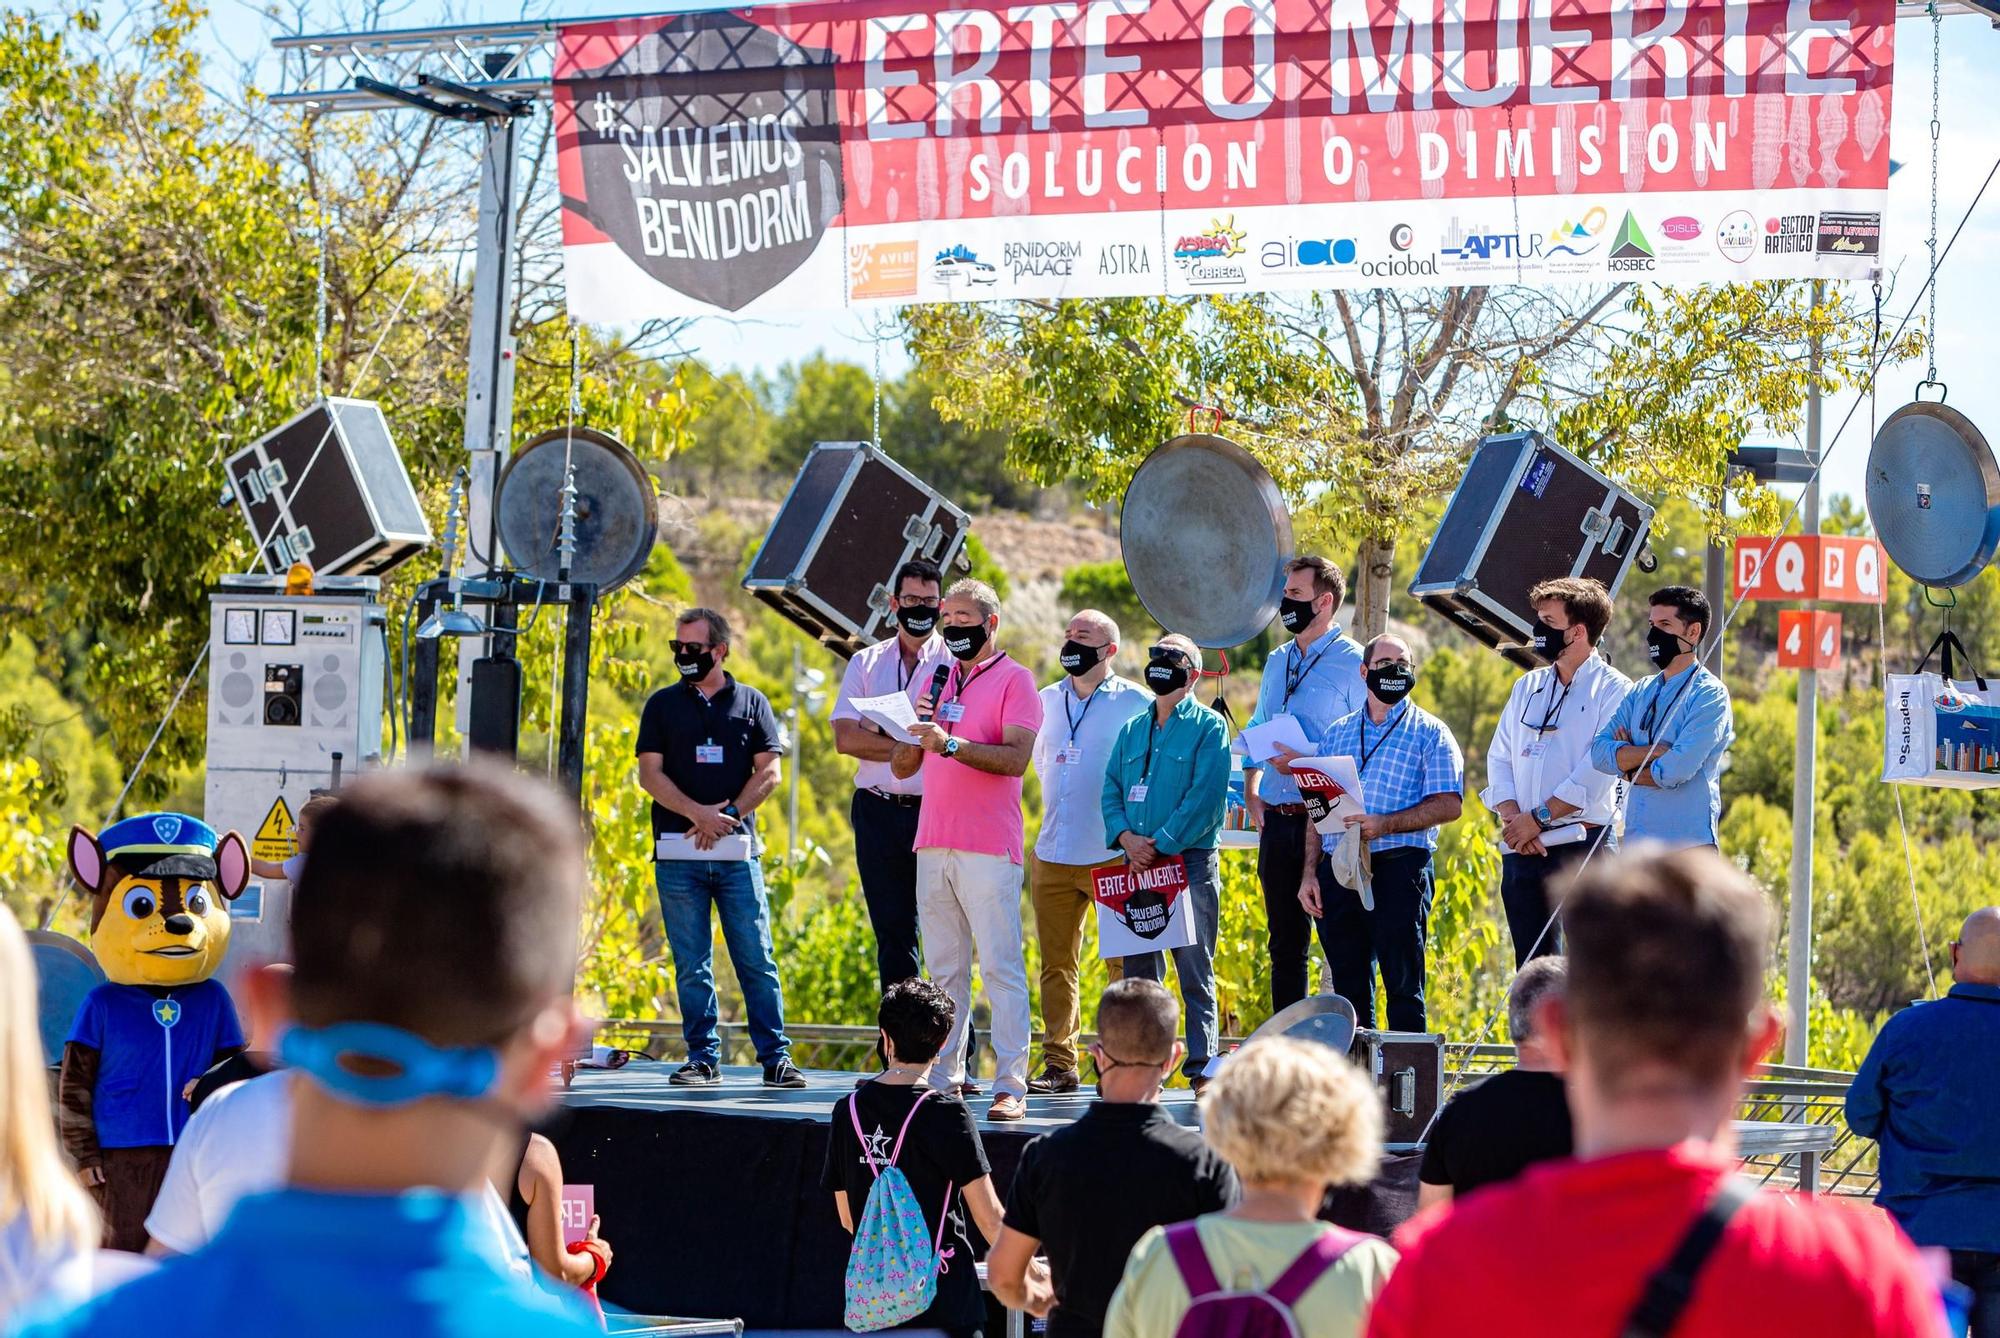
pixel 1165 792
pixel 1669 735
pixel 1082 713
pixel 1316 679
pixel 1412 782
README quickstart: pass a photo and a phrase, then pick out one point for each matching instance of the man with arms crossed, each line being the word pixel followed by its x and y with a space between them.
pixel 973 746
pixel 1669 735
pixel 1081 715
pixel 884 808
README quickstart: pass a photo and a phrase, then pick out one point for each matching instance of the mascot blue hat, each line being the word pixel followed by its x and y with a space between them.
pixel 162 843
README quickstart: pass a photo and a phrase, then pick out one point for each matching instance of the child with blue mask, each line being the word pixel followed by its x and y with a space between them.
pixel 434 958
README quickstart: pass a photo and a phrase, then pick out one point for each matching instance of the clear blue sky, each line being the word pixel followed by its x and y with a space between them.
pixel 238 30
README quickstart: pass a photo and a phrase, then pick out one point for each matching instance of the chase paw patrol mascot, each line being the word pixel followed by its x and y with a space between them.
pixel 159 927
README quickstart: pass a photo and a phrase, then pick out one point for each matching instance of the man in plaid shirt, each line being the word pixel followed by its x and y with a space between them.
pixel 1412 783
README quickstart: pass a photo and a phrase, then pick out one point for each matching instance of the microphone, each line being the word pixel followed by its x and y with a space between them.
pixel 938 680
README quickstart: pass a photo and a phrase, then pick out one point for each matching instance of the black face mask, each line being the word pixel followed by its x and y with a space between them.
pixel 1077 658
pixel 919 619
pixel 1663 646
pixel 1391 682
pixel 1295 614
pixel 965 642
pixel 1165 674
pixel 1549 643
pixel 694 667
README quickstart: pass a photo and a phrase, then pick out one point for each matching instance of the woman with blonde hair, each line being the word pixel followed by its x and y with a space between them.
pixel 1292 1117
pixel 48 1228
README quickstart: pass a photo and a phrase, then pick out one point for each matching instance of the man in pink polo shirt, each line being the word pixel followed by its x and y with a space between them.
pixel 973 745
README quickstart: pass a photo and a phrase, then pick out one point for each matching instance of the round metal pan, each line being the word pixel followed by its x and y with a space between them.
pixel 1204 530
pixel 1934 494
pixel 1326 1018
pixel 618 514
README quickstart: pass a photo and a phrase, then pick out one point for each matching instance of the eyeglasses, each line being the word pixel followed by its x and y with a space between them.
pixel 1404 665
pixel 690 647
pixel 915 602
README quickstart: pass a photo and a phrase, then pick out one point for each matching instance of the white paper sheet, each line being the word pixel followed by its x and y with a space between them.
pixel 679 846
pixel 892 713
pixel 1567 835
pixel 1261 742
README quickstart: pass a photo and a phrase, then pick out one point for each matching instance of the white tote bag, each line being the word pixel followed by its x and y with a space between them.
pixel 1941 730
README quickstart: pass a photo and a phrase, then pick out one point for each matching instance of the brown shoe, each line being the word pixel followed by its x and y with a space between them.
pixel 1007 1106
pixel 967 1089
pixel 1198 1085
pixel 1054 1082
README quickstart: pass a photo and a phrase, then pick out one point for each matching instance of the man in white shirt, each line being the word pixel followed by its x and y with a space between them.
pixel 1553 803
pixel 1082 714
pixel 884 808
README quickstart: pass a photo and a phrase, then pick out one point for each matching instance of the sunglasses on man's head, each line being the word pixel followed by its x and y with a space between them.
pixel 690 647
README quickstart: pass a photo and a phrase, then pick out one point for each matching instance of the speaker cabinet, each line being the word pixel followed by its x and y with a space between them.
pixel 852 518
pixel 1526 511
pixel 329 488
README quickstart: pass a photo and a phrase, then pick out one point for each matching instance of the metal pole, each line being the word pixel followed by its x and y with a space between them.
pixel 489 379
pixel 1798 991
pixel 1715 585
pixel 792 817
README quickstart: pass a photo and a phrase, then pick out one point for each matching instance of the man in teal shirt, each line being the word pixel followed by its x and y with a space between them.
pixel 1165 790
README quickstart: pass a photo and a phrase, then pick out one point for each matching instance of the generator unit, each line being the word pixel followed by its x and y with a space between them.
pixel 295 697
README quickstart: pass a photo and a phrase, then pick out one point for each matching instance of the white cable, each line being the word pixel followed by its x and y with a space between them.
pixel 137 767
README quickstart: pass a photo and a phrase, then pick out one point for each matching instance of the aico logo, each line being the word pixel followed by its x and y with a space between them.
pixel 1313 254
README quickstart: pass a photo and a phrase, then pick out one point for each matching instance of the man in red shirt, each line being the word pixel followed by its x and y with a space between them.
pixel 1663 1017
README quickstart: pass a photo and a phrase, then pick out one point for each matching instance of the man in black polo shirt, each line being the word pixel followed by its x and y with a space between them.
pixel 1510 1121
pixel 1086 1193
pixel 708 755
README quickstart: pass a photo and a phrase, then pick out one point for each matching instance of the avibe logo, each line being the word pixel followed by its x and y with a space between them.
pixel 1630 251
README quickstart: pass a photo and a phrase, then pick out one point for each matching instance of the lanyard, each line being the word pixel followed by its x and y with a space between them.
pixel 1146 776
pixel 1076 721
pixel 1293 682
pixel 958 689
pixel 1366 751
pixel 1653 706
pixel 1554 713
pixel 903 676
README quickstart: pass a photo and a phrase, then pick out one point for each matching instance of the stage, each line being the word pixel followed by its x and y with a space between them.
pixel 711 1199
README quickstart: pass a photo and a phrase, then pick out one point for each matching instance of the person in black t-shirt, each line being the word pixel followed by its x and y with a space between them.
pixel 1512 1120
pixel 1088 1192
pixel 940 1154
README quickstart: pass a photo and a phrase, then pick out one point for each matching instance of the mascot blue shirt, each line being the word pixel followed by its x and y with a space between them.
pixel 153 1045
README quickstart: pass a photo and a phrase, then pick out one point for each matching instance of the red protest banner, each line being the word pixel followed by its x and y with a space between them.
pixel 1141 911
pixel 801 156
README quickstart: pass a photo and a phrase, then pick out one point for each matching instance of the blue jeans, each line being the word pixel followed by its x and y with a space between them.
pixel 736 888
pixel 1194 964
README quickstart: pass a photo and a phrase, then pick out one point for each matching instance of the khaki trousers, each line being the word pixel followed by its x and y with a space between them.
pixel 1061 895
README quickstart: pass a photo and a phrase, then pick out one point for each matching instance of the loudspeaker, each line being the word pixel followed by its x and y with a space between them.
pixel 494 723
pixel 1526 511
pixel 852 518
pixel 329 488
pixel 1408 1069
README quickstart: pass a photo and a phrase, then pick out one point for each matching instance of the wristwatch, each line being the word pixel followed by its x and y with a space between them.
pixel 1543 816
pixel 730 811
pixel 951 746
